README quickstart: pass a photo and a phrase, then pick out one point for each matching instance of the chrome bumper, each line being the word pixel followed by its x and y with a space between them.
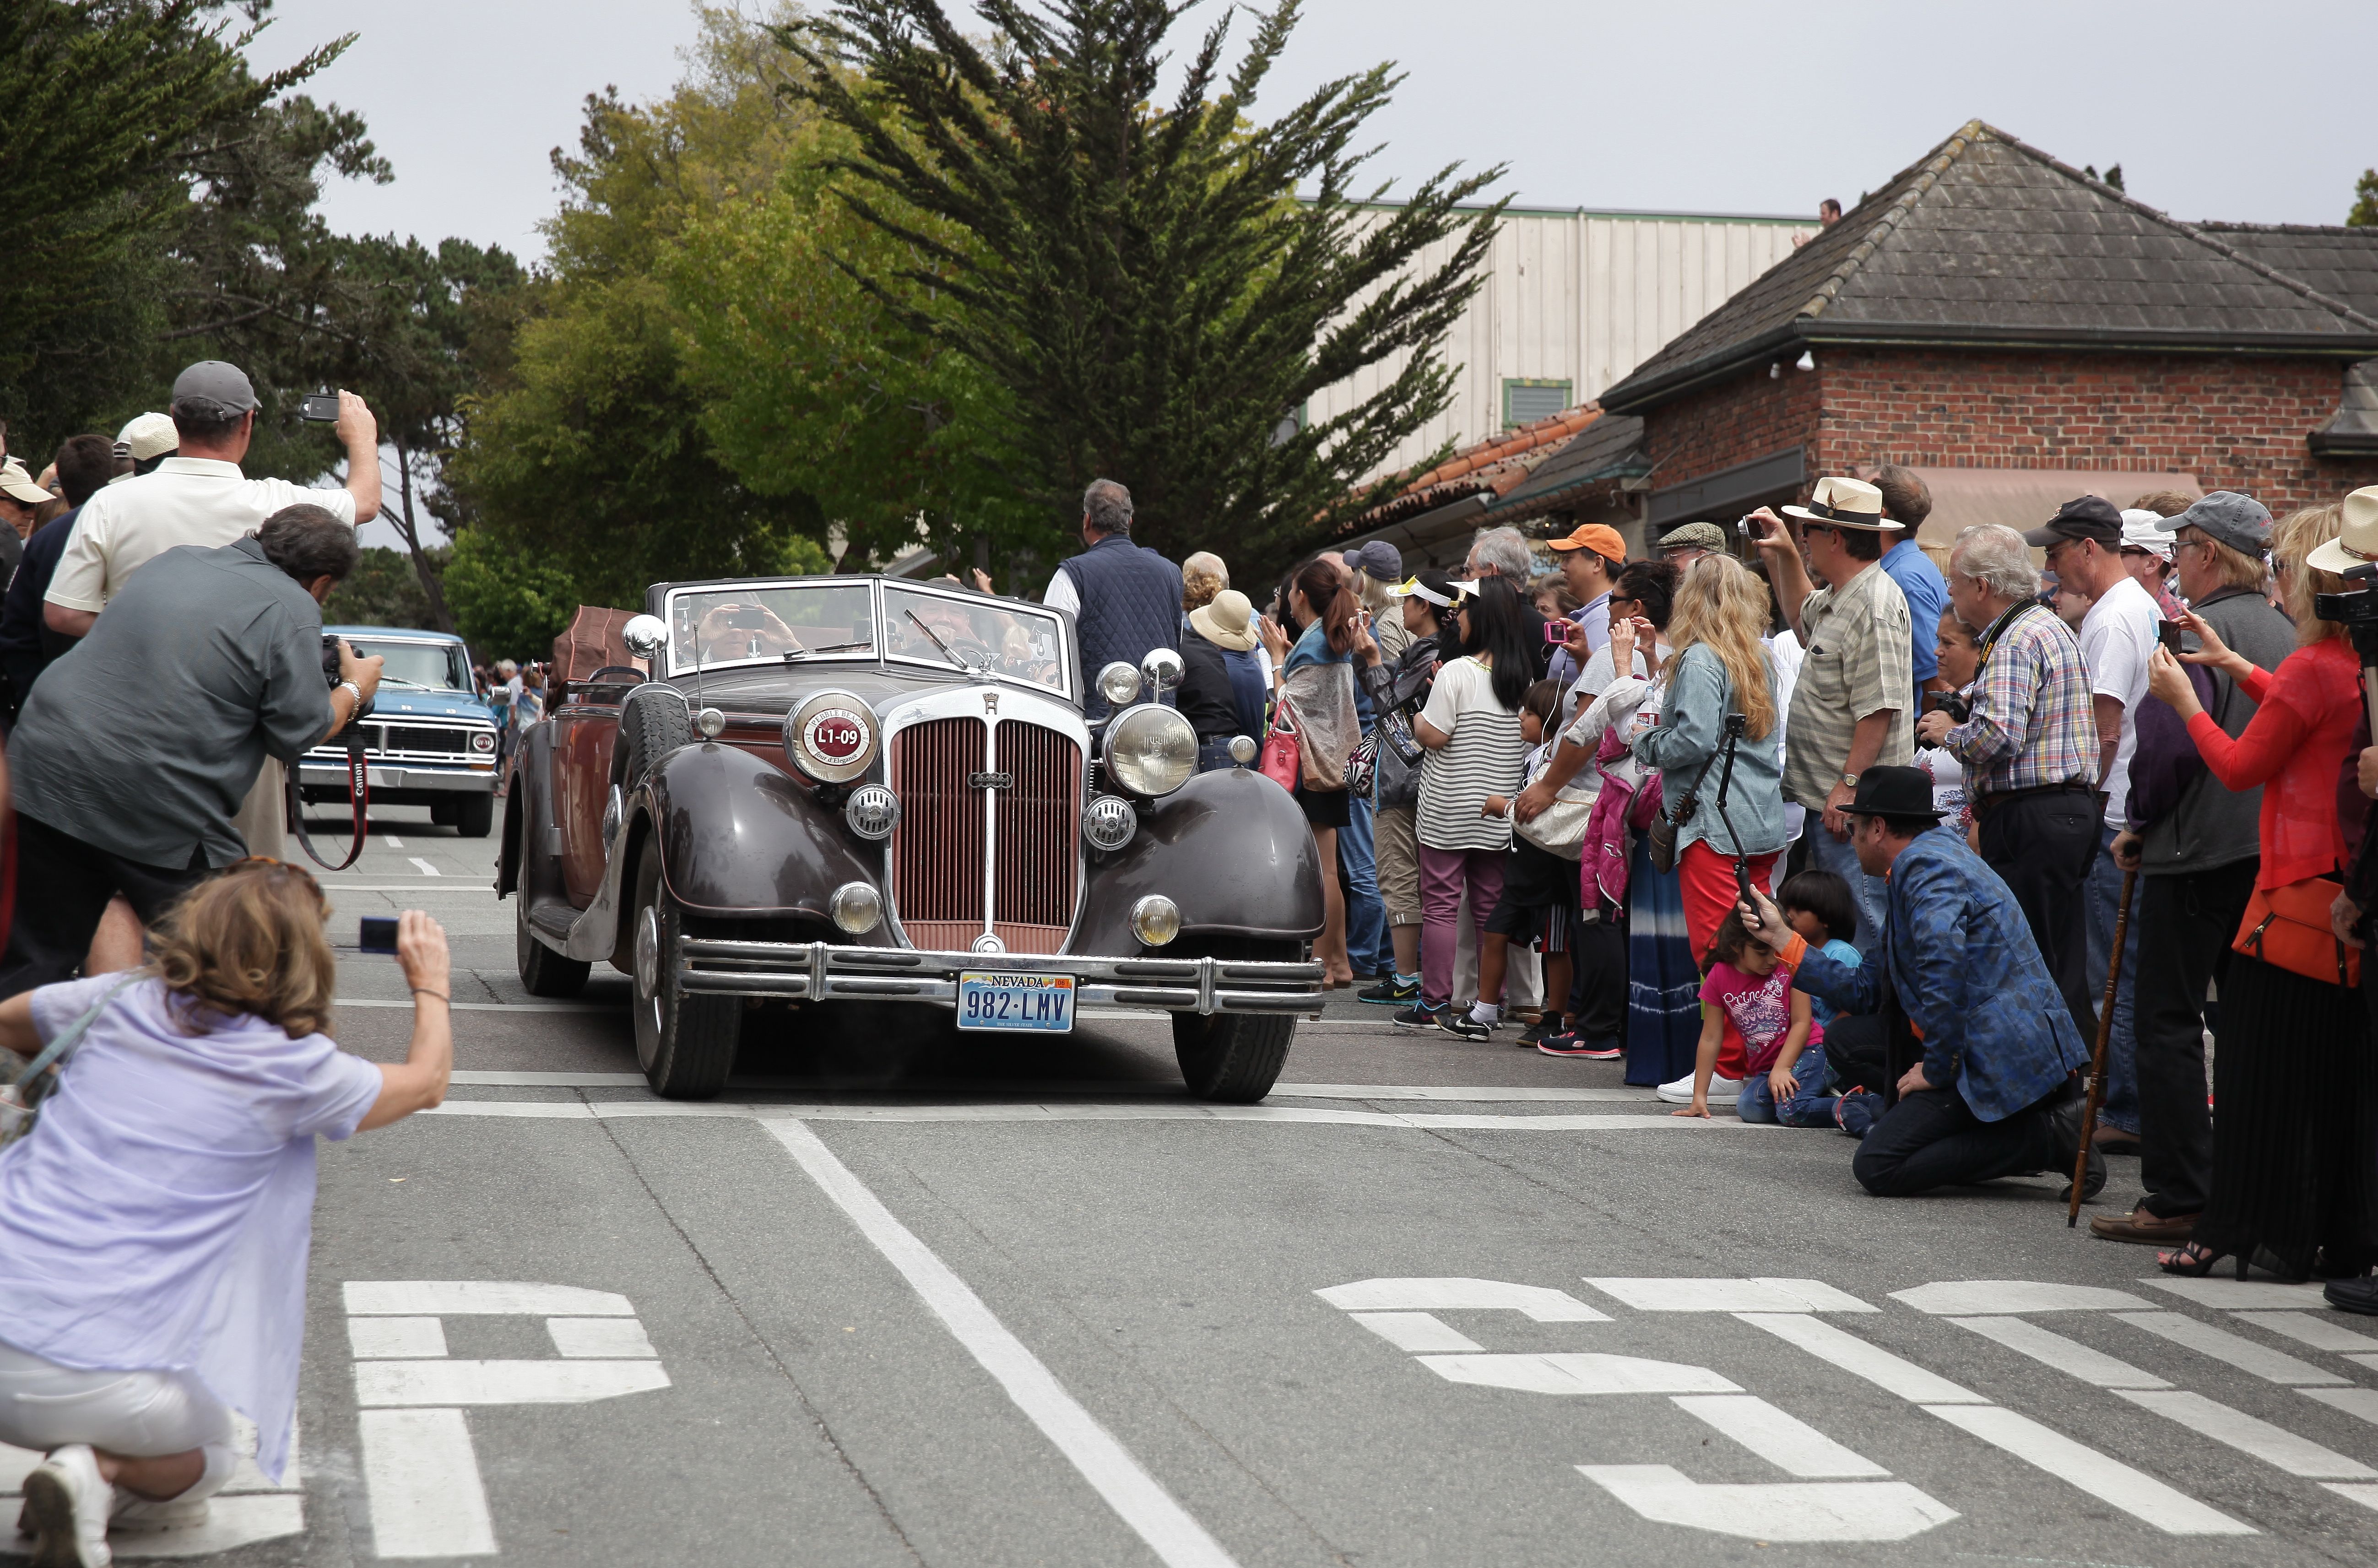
pixel 459 781
pixel 823 971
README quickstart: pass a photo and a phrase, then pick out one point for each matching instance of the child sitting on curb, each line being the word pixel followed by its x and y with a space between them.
pixel 1747 983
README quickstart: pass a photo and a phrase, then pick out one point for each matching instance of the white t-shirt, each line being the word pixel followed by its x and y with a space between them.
pixel 184 501
pixel 1484 757
pixel 2118 639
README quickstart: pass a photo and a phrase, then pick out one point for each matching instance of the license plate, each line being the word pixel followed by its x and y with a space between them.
pixel 1043 1002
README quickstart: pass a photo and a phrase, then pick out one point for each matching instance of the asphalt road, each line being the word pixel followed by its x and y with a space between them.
pixel 893 1301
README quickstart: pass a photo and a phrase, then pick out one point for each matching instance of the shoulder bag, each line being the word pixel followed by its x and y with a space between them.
pixel 21 1096
pixel 1279 762
pixel 2288 929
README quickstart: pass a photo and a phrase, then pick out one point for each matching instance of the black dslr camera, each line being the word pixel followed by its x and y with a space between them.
pixel 330 676
pixel 1958 708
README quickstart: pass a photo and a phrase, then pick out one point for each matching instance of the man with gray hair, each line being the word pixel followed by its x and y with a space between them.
pixel 1125 600
pixel 2029 744
pixel 1503 552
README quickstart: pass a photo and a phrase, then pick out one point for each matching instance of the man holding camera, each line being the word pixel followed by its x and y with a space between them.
pixel 132 754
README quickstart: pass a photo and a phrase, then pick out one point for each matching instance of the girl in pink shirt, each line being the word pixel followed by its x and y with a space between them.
pixel 1747 983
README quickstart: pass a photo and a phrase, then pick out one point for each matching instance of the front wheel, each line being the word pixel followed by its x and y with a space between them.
pixel 685 1042
pixel 475 815
pixel 1233 1057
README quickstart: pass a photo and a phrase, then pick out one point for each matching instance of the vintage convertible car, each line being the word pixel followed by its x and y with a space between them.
pixel 860 789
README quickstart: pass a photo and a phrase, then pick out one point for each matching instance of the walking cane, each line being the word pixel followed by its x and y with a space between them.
pixel 2097 1063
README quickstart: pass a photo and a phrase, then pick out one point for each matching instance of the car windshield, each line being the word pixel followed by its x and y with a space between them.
pixel 433 667
pixel 742 625
pixel 998 635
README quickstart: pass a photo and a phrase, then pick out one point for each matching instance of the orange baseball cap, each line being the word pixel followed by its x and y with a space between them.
pixel 1594 536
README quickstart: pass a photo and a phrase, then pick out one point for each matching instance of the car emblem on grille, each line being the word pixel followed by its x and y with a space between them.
pixel 990 781
pixel 990 702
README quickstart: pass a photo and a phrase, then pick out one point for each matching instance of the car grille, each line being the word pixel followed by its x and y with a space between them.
pixel 427 742
pixel 940 848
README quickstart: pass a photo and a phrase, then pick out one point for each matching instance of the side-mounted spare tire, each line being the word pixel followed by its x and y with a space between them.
pixel 652 723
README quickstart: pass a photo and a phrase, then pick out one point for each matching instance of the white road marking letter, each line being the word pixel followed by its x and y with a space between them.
pixel 2359 1402
pixel 1969 1298
pixel 375 1339
pixel 1793 1511
pixel 1137 1497
pixel 1568 1373
pixel 422 1480
pixel 1543 1304
pixel 1416 1332
pixel 2064 1355
pixel 2319 1330
pixel 1729 1295
pixel 2222 1345
pixel 1784 1441
pixel 2109 1481
pixel 472 1297
pixel 2237 1295
pixel 503 1382
pixel 2365 1495
pixel 1854 1356
pixel 2273 1445
pixel 599 1338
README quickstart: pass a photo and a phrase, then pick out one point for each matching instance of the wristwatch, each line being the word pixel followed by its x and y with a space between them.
pixel 1850 781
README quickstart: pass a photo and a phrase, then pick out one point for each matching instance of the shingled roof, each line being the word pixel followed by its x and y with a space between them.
pixel 1989 242
pixel 2341 263
pixel 1489 468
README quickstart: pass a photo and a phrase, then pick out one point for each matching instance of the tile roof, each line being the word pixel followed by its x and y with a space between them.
pixel 2341 263
pixel 1611 447
pixel 1989 240
pixel 1490 468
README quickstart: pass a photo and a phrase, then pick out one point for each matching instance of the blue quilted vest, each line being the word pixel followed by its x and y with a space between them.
pixel 1131 603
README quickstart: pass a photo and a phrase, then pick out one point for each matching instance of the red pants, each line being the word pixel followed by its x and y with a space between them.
pixel 1709 896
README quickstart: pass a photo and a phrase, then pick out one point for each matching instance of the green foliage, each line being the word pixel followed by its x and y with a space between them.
pixel 1151 289
pixel 2364 213
pixel 383 591
pixel 508 600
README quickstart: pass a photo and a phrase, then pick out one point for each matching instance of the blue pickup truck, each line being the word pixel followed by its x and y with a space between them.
pixel 429 740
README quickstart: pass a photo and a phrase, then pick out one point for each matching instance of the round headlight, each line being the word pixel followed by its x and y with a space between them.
pixel 856 907
pixel 1108 822
pixel 1118 683
pixel 483 740
pixel 1155 920
pixel 1151 750
pixel 710 722
pixel 831 737
pixel 1242 749
pixel 873 811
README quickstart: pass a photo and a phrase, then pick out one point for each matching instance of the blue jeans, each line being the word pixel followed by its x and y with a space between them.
pixel 1871 894
pixel 1366 916
pixel 1811 1104
pixel 2105 889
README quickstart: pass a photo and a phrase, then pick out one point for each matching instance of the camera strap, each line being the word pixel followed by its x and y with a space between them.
pixel 359 801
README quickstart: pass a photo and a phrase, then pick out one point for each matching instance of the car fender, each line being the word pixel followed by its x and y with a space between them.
pixel 1230 848
pixel 741 837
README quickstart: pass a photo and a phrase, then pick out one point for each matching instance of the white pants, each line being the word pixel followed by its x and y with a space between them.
pixel 138 1415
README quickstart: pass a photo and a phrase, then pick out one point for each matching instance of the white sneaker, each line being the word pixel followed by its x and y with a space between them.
pixel 1723 1091
pixel 141 1515
pixel 69 1503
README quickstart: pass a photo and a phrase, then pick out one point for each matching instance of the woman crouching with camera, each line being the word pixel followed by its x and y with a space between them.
pixel 154 1221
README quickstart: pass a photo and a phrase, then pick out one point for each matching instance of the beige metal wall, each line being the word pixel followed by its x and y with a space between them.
pixel 1580 296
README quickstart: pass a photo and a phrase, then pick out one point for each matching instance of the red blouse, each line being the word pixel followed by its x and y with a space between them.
pixel 2301 733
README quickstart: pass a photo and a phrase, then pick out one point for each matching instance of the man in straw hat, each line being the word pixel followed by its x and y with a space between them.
pixel 1995 1092
pixel 1850 704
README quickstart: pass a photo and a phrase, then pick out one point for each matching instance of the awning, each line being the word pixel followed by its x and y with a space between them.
pixel 2026 497
pixel 1729 492
pixel 1438 538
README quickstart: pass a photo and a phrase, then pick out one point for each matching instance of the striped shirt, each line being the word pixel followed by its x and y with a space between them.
pixel 1856 665
pixel 1484 757
pixel 2031 724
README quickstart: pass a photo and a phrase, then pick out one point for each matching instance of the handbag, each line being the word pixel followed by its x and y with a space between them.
pixel 1560 827
pixel 1279 762
pixel 2288 929
pixel 21 1096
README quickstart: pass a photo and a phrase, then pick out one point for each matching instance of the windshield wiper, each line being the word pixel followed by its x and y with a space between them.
pixel 793 654
pixel 944 647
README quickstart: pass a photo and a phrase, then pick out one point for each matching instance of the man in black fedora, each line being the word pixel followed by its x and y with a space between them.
pixel 1995 1092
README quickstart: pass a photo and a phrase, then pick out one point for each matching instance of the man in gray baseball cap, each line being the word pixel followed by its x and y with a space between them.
pixel 2227 517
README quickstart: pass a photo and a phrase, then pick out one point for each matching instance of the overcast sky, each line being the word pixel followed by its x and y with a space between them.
pixel 2213 111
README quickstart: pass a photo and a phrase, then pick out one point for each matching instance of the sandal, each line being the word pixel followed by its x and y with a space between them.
pixel 2195 1260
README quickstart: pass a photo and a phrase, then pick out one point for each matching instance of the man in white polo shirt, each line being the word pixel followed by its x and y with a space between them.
pixel 201 496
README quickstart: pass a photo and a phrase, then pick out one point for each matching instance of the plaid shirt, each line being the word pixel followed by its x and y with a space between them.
pixel 2032 722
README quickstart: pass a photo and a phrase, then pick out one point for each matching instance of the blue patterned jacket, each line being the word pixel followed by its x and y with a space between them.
pixel 1959 953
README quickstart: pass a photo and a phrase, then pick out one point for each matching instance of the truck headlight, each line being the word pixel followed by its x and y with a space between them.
pixel 1118 683
pixel 1151 750
pixel 1155 920
pixel 873 811
pixel 483 740
pixel 1108 822
pixel 856 907
pixel 831 737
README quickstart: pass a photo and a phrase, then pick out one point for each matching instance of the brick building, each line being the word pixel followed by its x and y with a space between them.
pixel 2020 333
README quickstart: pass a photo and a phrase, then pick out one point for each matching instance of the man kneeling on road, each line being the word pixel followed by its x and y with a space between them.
pixel 1994 1093
pixel 134 751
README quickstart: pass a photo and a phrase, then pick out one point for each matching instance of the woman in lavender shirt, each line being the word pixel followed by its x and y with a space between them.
pixel 154 1225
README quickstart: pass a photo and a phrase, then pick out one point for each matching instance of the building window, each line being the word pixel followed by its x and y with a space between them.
pixel 1525 401
pixel 1291 423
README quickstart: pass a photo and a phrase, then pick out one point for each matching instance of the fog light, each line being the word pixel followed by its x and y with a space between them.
pixel 1118 683
pixel 1108 822
pixel 1242 749
pixel 873 811
pixel 1155 919
pixel 710 722
pixel 856 907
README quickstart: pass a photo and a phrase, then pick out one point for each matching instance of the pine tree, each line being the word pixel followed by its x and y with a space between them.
pixel 1158 293
pixel 2364 214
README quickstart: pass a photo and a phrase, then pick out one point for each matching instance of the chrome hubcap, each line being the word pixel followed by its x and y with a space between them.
pixel 648 963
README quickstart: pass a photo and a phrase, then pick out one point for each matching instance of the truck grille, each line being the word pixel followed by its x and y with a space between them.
pixel 946 835
pixel 422 737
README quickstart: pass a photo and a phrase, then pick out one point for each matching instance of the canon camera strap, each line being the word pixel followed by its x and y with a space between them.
pixel 358 798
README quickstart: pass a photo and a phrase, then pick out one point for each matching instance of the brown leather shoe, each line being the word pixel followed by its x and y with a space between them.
pixel 2143 1227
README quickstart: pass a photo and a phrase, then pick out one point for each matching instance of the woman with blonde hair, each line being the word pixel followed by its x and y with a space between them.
pixel 154 1223
pixel 1202 575
pixel 2294 1183
pixel 1721 669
